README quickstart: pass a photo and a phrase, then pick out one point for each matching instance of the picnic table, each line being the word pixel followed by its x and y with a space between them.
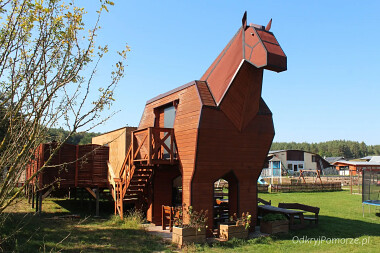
pixel 265 209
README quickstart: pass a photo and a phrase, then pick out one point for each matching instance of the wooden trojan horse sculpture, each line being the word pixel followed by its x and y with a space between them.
pixel 222 126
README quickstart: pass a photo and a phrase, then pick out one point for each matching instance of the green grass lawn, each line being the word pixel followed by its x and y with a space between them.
pixel 55 231
pixel 341 229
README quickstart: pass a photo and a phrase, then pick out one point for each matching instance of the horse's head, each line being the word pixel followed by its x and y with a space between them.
pixel 254 45
pixel 261 48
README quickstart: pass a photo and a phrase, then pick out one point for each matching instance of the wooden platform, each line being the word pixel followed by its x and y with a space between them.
pixel 72 166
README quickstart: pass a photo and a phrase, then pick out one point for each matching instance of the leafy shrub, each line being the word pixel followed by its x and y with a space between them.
pixel 196 219
pixel 244 220
pixel 274 217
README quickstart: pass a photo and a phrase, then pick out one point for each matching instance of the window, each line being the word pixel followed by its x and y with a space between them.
pixel 167 121
pixel 290 166
pixel 276 164
pixel 295 167
pixel 169 117
pixel 165 114
pixel 300 166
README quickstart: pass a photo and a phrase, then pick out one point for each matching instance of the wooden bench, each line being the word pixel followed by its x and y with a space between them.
pixel 259 214
pixel 167 214
pixel 306 208
pixel 269 203
pixel 291 214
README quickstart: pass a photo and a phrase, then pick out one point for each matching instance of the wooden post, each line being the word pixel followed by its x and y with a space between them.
pixel 121 202
pixel 350 181
pixel 97 201
pixel 149 145
pixel 163 217
pixel 319 176
pixel 171 146
pixel 32 196
pixel 39 201
pixel 28 192
pixel 115 191
pixel 132 147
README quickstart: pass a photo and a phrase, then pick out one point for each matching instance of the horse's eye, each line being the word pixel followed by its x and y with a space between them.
pixel 252 34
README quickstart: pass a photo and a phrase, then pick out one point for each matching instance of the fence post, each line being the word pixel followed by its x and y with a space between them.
pixel 350 181
pixel 97 202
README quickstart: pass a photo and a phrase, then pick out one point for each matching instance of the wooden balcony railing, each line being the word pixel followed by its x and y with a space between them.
pixel 154 146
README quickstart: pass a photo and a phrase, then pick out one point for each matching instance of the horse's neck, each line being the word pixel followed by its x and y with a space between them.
pixel 235 83
pixel 223 69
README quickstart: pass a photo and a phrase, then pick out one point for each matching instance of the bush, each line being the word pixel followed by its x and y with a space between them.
pixel 274 217
pixel 134 218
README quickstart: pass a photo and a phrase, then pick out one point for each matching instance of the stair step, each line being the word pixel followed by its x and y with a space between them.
pixel 140 176
pixel 139 180
pixel 137 187
pixel 143 170
pixel 131 195
pixel 129 199
pixel 136 184
pixel 130 190
pixel 144 166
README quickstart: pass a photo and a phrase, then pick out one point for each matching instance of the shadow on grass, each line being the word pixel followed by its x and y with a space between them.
pixel 328 227
pixel 51 231
pixel 86 207
pixel 335 227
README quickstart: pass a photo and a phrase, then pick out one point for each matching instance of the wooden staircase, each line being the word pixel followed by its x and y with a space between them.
pixel 147 151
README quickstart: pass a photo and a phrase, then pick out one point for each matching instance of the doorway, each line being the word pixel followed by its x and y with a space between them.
pixel 221 202
pixel 225 198
pixel 177 191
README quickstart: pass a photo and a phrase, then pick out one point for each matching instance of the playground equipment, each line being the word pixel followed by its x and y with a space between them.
pixel 317 173
pixel 371 187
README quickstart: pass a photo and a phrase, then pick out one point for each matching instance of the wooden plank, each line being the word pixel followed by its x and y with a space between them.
pixel 47 193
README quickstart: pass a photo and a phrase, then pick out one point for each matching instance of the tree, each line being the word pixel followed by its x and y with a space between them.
pixel 79 138
pixel 48 61
pixel 347 149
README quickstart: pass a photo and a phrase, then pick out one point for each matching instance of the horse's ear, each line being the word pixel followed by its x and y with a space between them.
pixel 267 28
pixel 244 20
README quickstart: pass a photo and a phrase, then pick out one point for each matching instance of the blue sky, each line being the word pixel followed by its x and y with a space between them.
pixel 331 88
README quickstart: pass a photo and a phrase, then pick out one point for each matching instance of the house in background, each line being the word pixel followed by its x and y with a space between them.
pixel 355 167
pixel 281 161
pixel 369 159
pixel 333 169
pixel 334 159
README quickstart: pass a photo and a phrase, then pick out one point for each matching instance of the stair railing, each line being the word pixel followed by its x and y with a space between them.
pixel 154 145
pixel 149 145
